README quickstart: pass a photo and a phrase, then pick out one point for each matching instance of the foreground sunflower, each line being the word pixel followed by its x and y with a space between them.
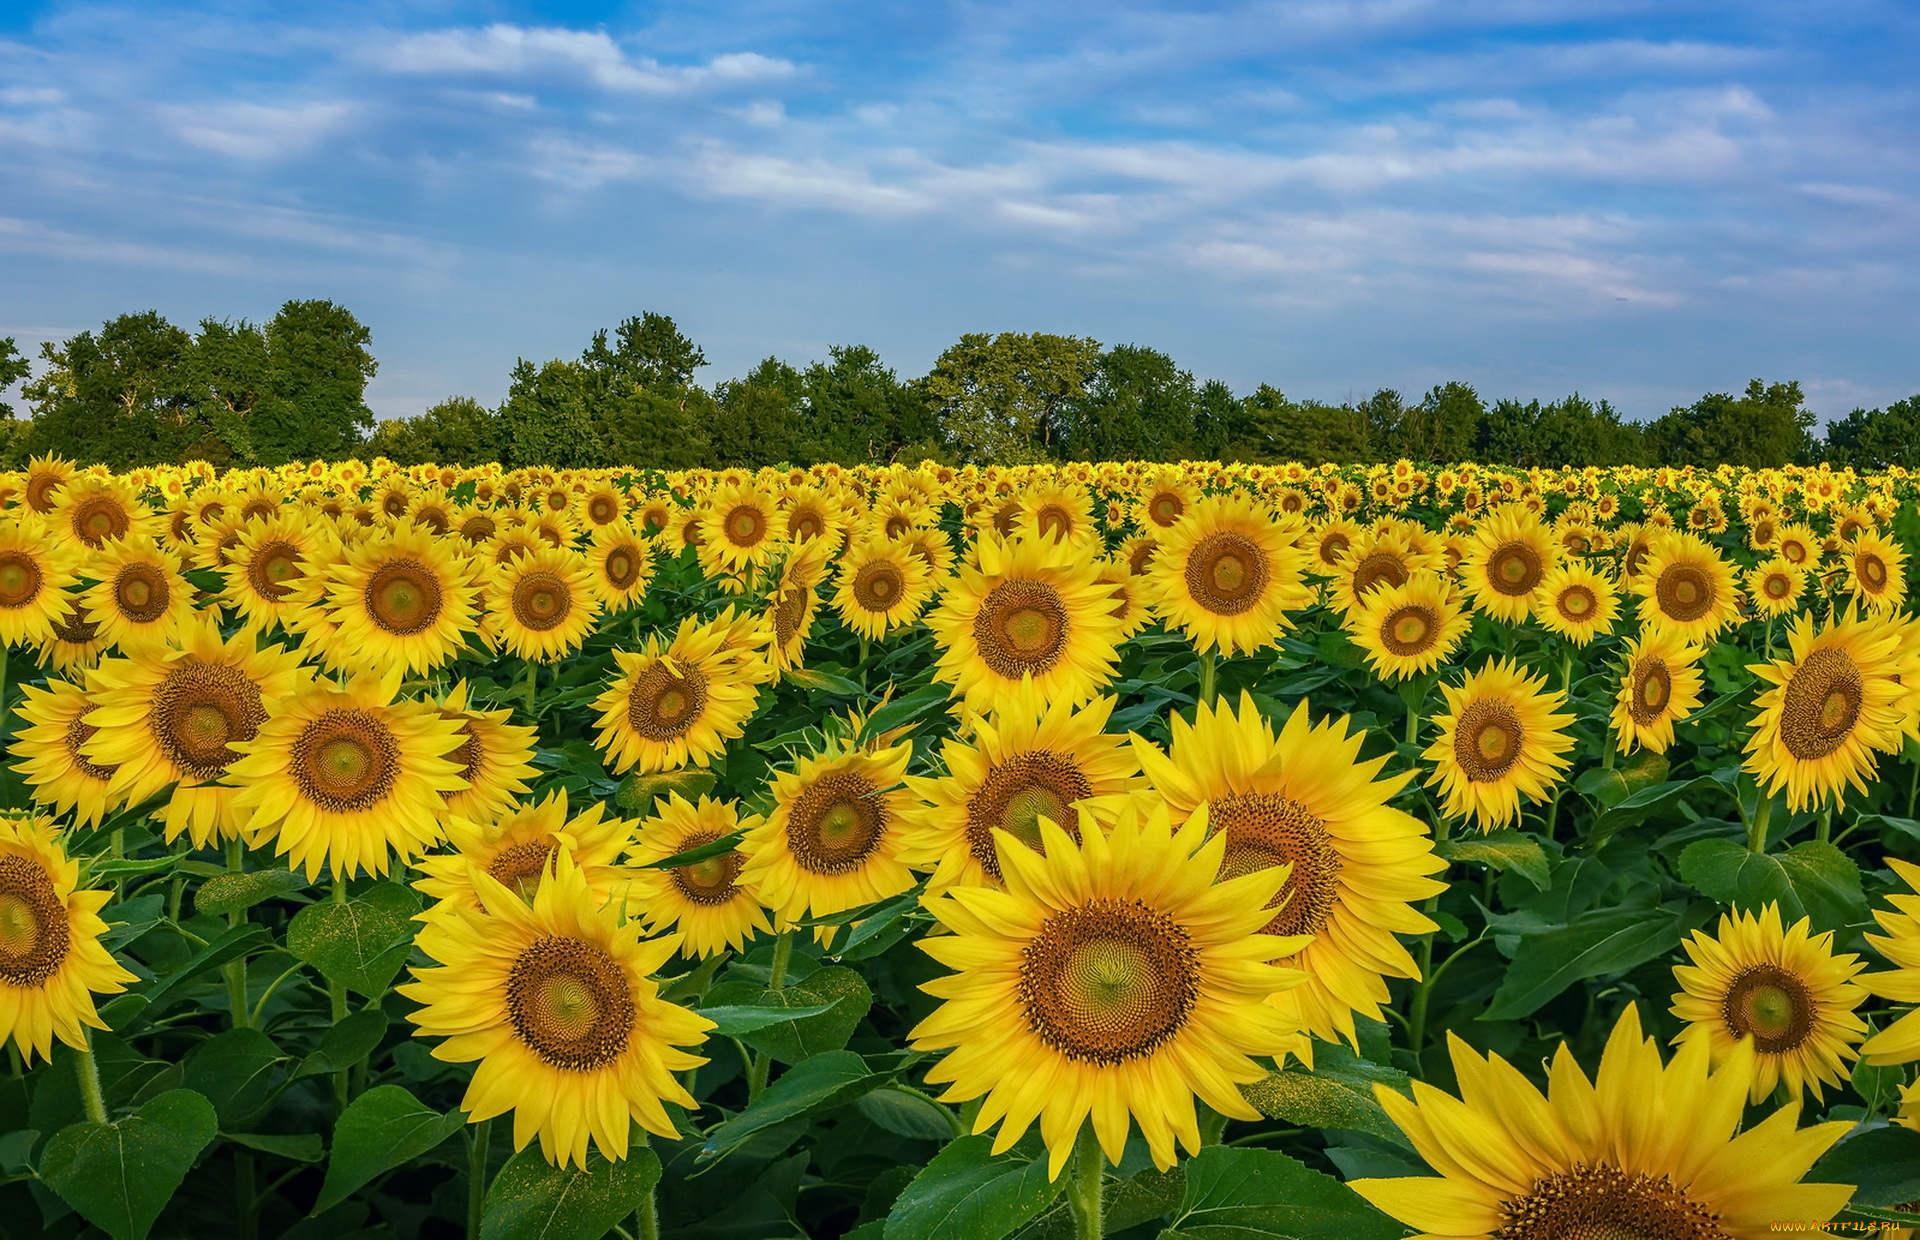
pixel 1660 687
pixel 542 606
pixel 706 903
pixel 36 571
pixel 1643 1150
pixel 519 851
pixel 1830 705
pixel 1899 1042
pixel 494 757
pixel 401 599
pixel 1304 800
pixel 139 598
pixel 273 560
pixel 1112 977
pixel 1227 575
pixel 1504 738
pixel 1509 557
pixel 1408 629
pixel 49 754
pixel 51 960
pixel 834 838
pixel 555 1001
pixel 1782 989
pixel 675 706
pixel 1577 602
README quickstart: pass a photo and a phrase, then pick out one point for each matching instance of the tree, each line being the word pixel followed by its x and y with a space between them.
pixel 649 351
pixel 757 417
pixel 1876 438
pixel 1002 399
pixel 457 431
pixel 13 368
pixel 857 410
pixel 1441 428
pixel 318 362
pixel 1138 406
pixel 1767 426
pixel 118 398
pixel 546 418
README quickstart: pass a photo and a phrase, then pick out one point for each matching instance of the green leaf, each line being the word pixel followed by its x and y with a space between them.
pixel 907 1114
pixel 912 708
pixel 345 1044
pixel 1336 1093
pixel 129 919
pixel 238 1071
pixel 1245 1194
pixel 1608 786
pixel 120 1176
pixel 1882 1163
pixel 360 943
pixel 381 1129
pixel 1811 879
pixel 705 852
pixel 1605 941
pixel 238 941
pixel 234 893
pixel 823 682
pixel 846 993
pixel 967 1193
pixel 870 933
pixel 1503 850
pixel 822 1081
pixel 1653 800
pixel 306 1147
pixel 533 1200
pixel 638 792
pixel 734 1019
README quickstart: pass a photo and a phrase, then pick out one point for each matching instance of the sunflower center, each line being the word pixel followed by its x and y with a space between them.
pixel 1139 558
pixel 602 509
pixel 662 706
pixel 1794 550
pixel 1652 690
pixel 1410 630
pixel 789 613
pixel 477 528
pixel 804 525
pixel 40 489
pixel 520 868
pixel 271 567
pixel 1108 981
pixel 75 629
pixel 541 601
pixel 98 518
pixel 79 732
pixel 33 925
pixel 1602 1202
pixel 1376 569
pixel 1487 740
pixel 1821 704
pixel 469 754
pixel 1776 586
pixel 623 568
pixel 20 579
pixel 1054 521
pixel 404 597
pixel 140 592
pixel 1872 570
pixel 1515 568
pixel 346 761
pixel 1770 1005
pixel 1016 794
pixel 1022 627
pixel 1577 603
pixel 571 1003
pixel 836 823
pixel 198 711
pixel 709 882
pixel 878 585
pixel 1227 573
pixel 1166 508
pixel 745 526
pixel 1332 547
pixel 1265 829
pixel 1684 592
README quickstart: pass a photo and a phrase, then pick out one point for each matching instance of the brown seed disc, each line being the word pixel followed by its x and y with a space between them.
pixel 520 867
pixel 1293 503
pixel 39 491
pixel 79 732
pixel 836 823
pixel 403 597
pixel 1821 704
pixel 1140 557
pixel 1576 604
pixel 790 614
pixel 272 566
pixel 1022 627
pixel 20 578
pixel 469 755
pixel 1053 521
pixel 1108 981
pixel 74 628
pixel 541 601
pixel 1764 530
pixel 745 525
pixel 1652 689
pixel 34 937
pixel 1264 829
pixel 1166 508
pixel 603 509
pixel 1015 795
pixel 394 504
pixel 898 526
pixel 622 567
pixel 98 518
pixel 1772 1006
pixel 1636 555
pixel 1515 568
pixel 878 586
pixel 1777 586
pixel 1376 569
pixel 141 592
pixel 804 524
pixel 1870 570
pixel 433 517
pixel 1684 592
pixel 661 706
pixel 571 1003
pixel 198 711
pixel 1410 629
pixel 1597 1201
pixel 1794 551
pixel 1488 740
pixel 1006 518
pixel 710 882
pixel 1332 547
pixel 1227 573
pixel 346 761
pixel 478 528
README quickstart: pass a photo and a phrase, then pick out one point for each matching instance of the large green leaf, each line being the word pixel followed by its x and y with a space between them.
pixel 1336 1093
pixel 1503 850
pixel 794 1041
pixel 966 1193
pixel 732 1020
pixel 120 1176
pixel 360 943
pixel 638 792
pixel 234 893
pixel 1604 941
pixel 530 1199
pixel 239 1071
pixel 1249 1194
pixel 381 1129
pixel 234 944
pixel 345 1043
pixel 1812 879
pixel 823 1081
pixel 1882 1163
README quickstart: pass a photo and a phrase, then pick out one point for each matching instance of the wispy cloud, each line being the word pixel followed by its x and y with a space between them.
pixel 591 57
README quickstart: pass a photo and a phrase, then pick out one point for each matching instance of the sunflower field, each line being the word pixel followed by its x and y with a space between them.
pixel 1168 852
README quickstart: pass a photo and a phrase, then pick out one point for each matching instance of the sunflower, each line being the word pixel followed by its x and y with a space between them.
pixel 139 598
pixel 1687 587
pixel 1373 562
pixel 1647 1149
pixel 1031 759
pixel 1304 800
pixel 708 904
pixel 1128 593
pixel 555 1002
pixel 1831 703
pixel 1511 555
pixel 94 511
pixel 1503 739
pixel 881 586
pixel 1784 990
pixel 739 533
pixel 1059 512
pixel 342 776
pixel 600 506
pixel 181 718
pixel 1576 601
pixel 1164 500
pixel 1899 1042
pixel 677 706
pixel 1660 687
pixel 1328 544
pixel 51 960
pixel 494 757
pixel 50 757
pixel 541 606
pixel 400 599
pixel 1227 575
pixel 835 837
pixel 932 547
pixel 36 571
pixel 1876 571
pixel 811 515
pixel 1799 545
pixel 46 475
pixel 271 563
pixel 793 603
pixel 1409 629
pixel 1113 976
pixel 520 849
pixel 621 561
pixel 1776 585
pixel 75 644
pixel 1026 609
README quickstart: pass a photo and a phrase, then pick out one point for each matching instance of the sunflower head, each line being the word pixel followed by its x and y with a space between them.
pixel 1227 575
pixel 1831 703
pixel 1409 629
pixel 1659 688
pixel 1504 738
pixel 707 902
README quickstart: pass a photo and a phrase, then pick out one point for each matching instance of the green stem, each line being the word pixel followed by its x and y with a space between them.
pixel 337 1007
pixel 1423 989
pixel 237 969
pixel 1913 786
pixel 89 1073
pixel 1757 829
pixel 1208 667
pixel 477 1151
pixel 1089 1175
pixel 246 1200
pixel 533 674
pixel 646 1219
pixel 762 1062
pixel 1413 724
pixel 1611 750
pixel 1824 832
pixel 1769 637
pixel 1566 675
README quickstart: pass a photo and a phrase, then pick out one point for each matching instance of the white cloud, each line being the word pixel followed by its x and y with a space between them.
pixel 254 130
pixel 587 56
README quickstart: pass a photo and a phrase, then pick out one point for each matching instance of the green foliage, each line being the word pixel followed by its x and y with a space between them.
pixel 1767 425
pixel 457 431
pixel 1006 398
pixel 1236 1194
pixel 1137 406
pixel 531 1200
pixel 120 1175
pixel 1876 438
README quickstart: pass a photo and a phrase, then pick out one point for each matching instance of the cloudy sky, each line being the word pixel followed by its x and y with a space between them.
pixel 1642 201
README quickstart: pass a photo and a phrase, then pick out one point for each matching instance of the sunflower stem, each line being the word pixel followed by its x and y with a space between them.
pixel 762 1062
pixel 1757 829
pixel 1208 669
pixel 1824 832
pixel 89 1073
pixel 477 1150
pixel 237 969
pixel 337 1006
pixel 1089 1175
pixel 646 1218
pixel 1610 750
pixel 1913 785
pixel 533 674
pixel 246 1200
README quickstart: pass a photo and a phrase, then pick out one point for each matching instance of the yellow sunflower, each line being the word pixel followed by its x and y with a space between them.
pixel 739 533
pixel 1646 1149
pixel 541 606
pixel 1782 989
pixel 1328 544
pixel 1163 501
pixel 709 904
pixel 1830 704
pixel 1409 629
pixel 880 586
pixel 51 960
pixel 1305 801
pixel 520 849
pixel 811 515
pixel 1776 586
pixel 49 754
pixel 1511 554
pixel 1876 573
pixel 1030 759
pixel 600 506
pixel 139 598
pixel 36 571
pixel 1129 598
pixel 399 599
pixel 1227 575
pixel 1799 545
pixel 793 602
pixel 1058 512
pixel 1687 587
pixel 677 706
pixel 621 561
pixel 1112 980
pixel 494 757
pixel 341 776
pixel 1026 609
pixel 835 837
pixel 272 562
pixel 1376 561
pixel 94 511
pixel 1502 739
pixel 1576 601
pixel 46 475
pixel 75 644
pixel 181 718
pixel 1899 1042
pixel 555 1002
pixel 1660 687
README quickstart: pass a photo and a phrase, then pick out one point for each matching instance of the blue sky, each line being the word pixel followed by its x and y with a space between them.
pixel 1641 201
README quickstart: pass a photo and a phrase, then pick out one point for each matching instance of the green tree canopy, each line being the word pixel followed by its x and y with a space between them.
pixel 1876 438
pixel 758 417
pixel 1769 425
pixel 1138 406
pixel 457 431
pixel 119 397
pixel 1004 398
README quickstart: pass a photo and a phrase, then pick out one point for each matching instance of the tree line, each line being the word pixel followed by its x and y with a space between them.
pixel 142 391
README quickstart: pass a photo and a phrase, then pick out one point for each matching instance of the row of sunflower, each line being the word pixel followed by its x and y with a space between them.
pixel 891 852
